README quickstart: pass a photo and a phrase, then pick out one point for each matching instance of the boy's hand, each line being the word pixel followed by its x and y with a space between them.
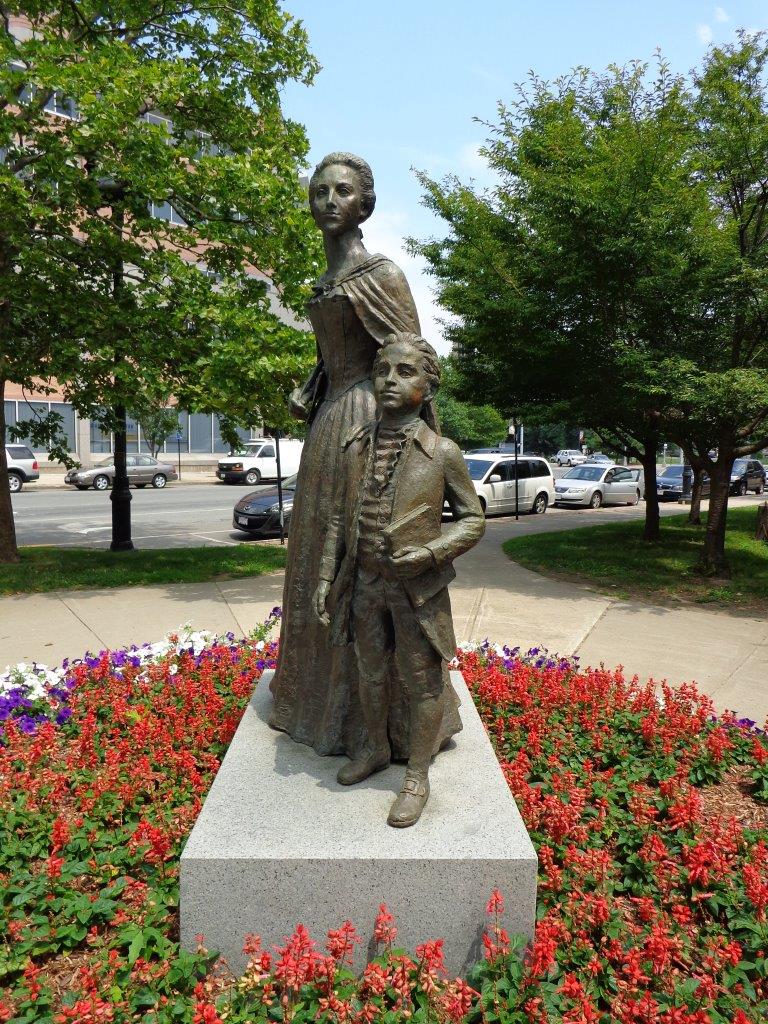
pixel 321 596
pixel 410 562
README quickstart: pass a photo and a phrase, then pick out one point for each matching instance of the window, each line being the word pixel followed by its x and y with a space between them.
pixel 101 441
pixel 19 451
pixel 164 211
pixel 144 460
pixel 500 470
pixel 29 412
pixel 67 413
pixel 10 416
pixel 267 452
pixel 621 474
pixel 539 468
pixel 523 469
pixel 131 460
pixel 58 103
pixel 200 432
pixel 171 444
pixel 131 435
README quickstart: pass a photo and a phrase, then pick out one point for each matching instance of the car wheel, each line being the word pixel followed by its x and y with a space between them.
pixel 159 480
pixel 743 488
pixel 15 482
pixel 596 500
pixel 482 505
pixel 540 504
pixel 760 488
pixel 636 499
pixel 101 482
pixel 252 477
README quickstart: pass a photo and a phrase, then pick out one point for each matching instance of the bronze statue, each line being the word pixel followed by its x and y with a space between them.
pixel 386 564
pixel 358 302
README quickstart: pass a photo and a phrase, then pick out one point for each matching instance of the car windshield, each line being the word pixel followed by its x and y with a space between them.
pixel 584 473
pixel 106 462
pixel 477 468
pixel 672 471
pixel 290 481
pixel 740 466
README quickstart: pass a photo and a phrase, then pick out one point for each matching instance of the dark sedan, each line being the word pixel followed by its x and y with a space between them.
pixel 258 513
pixel 669 484
pixel 747 475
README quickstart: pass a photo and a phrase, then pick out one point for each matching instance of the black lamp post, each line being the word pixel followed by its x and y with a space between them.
pixel 517 482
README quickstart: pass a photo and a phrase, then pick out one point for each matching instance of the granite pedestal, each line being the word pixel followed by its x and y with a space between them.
pixel 279 842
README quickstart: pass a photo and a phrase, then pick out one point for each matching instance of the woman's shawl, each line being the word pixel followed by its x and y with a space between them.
pixel 379 292
pixel 381 297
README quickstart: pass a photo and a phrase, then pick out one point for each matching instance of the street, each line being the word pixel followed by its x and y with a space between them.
pixel 201 515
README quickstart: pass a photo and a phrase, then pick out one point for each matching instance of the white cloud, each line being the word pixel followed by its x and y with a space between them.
pixel 721 15
pixel 384 233
pixel 704 32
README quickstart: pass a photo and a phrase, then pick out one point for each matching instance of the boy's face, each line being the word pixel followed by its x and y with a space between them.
pixel 399 381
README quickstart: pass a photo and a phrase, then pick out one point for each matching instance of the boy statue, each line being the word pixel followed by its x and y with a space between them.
pixel 386 564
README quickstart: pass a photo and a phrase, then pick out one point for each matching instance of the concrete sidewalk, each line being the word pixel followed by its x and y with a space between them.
pixel 727 655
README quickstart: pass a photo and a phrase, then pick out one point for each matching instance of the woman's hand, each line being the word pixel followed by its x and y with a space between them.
pixel 296 405
pixel 410 562
pixel 319 602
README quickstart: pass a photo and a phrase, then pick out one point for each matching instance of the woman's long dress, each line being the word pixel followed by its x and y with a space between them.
pixel 315 686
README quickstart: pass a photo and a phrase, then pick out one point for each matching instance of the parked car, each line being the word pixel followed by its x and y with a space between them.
pixel 22 466
pixel 669 483
pixel 257 461
pixel 747 475
pixel 570 457
pixel 593 486
pixel 597 457
pixel 494 480
pixel 258 513
pixel 142 470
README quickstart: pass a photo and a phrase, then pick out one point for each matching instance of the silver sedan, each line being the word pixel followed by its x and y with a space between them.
pixel 142 470
pixel 591 486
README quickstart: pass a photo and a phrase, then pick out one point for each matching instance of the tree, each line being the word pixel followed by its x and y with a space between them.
pixel 620 264
pixel 158 421
pixel 467 424
pixel 569 281
pixel 147 171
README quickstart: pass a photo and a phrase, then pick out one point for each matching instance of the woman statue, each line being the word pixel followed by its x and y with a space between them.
pixel 358 302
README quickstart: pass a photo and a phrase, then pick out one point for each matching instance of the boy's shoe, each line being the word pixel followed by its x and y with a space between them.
pixel 407 808
pixel 361 767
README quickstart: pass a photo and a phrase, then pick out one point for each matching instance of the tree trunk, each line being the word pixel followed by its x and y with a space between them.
pixel 121 496
pixel 761 531
pixel 694 513
pixel 713 560
pixel 652 531
pixel 9 552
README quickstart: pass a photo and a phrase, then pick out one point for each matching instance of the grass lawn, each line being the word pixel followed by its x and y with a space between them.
pixel 616 560
pixel 49 568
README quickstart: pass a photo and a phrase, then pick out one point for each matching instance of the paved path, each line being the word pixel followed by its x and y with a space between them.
pixel 727 655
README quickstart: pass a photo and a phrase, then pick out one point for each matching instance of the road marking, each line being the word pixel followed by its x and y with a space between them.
pixel 227 543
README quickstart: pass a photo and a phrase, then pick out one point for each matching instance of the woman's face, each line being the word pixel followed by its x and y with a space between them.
pixel 337 203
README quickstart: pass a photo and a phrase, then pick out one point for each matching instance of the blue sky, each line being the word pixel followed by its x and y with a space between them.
pixel 403 81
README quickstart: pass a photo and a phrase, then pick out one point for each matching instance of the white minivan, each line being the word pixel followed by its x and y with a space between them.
pixel 257 461
pixel 494 480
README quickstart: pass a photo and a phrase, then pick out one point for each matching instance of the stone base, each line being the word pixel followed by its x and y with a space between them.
pixel 280 842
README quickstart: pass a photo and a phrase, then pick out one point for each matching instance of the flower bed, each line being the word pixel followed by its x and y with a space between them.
pixel 648 817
